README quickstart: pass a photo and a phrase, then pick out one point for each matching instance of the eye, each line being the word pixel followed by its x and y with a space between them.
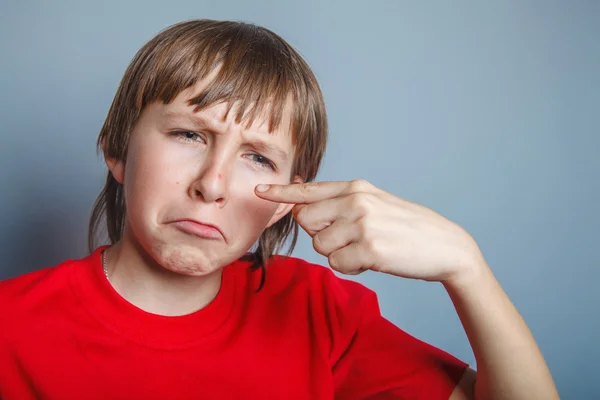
pixel 188 136
pixel 262 161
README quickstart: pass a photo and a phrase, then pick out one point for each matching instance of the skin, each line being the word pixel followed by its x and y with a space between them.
pixel 215 172
pixel 360 227
pixel 179 167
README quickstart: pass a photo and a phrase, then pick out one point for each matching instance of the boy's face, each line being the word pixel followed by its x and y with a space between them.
pixel 183 167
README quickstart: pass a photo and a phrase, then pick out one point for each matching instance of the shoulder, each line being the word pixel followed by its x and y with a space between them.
pixel 333 307
pixel 28 294
pixel 331 300
pixel 320 280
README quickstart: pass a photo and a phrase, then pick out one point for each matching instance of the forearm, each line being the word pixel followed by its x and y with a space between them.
pixel 509 362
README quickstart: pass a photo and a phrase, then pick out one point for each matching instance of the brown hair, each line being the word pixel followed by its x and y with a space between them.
pixel 256 68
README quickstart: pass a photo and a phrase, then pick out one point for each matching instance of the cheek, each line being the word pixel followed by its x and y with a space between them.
pixel 252 212
pixel 153 179
pixel 255 212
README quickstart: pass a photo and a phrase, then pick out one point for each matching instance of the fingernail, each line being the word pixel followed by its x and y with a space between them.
pixel 262 188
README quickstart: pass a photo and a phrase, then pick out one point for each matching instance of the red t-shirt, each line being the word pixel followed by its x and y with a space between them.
pixel 65 333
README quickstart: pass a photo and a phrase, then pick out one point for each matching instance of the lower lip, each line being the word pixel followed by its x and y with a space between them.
pixel 200 230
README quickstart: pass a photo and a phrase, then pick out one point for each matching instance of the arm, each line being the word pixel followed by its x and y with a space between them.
pixel 509 363
pixel 359 227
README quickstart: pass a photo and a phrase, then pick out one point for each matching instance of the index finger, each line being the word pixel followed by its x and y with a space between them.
pixel 302 193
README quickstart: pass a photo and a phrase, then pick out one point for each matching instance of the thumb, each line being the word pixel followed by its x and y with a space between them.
pixel 303 224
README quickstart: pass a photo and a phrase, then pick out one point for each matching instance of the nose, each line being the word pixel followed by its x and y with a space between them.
pixel 211 184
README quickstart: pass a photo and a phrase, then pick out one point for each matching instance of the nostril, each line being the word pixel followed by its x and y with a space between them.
pixel 221 201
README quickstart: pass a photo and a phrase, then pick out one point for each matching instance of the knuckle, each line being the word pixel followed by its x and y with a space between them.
pixel 360 185
pixel 333 260
pixel 372 245
pixel 363 229
pixel 361 202
pixel 319 244
pixel 368 236
pixel 306 189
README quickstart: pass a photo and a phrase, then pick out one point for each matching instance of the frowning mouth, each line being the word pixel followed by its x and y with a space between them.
pixel 198 228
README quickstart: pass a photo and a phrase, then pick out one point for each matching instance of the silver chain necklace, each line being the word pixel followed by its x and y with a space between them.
pixel 104 266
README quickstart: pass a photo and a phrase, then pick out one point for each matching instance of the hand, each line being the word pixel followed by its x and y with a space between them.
pixel 358 226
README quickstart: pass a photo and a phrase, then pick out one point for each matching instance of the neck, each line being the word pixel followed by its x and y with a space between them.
pixel 140 280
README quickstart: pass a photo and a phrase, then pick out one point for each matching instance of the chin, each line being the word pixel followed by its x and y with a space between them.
pixel 186 260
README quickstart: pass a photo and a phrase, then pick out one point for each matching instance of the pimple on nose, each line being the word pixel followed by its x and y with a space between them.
pixel 219 176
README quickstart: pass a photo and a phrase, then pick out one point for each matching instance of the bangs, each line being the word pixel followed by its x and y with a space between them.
pixel 249 66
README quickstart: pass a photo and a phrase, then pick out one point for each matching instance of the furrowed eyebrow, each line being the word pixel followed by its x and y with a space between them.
pixel 264 147
pixel 202 123
pixel 199 121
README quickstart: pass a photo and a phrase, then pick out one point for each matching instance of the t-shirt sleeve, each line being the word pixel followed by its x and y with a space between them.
pixel 382 361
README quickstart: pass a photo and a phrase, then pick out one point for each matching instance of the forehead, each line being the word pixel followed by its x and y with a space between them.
pixel 227 114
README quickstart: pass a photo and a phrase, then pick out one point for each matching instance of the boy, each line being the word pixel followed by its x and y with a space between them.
pixel 212 140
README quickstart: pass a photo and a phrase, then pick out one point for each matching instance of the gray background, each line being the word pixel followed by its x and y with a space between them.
pixel 486 112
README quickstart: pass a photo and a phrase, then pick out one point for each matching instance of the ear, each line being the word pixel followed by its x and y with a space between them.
pixel 116 167
pixel 283 209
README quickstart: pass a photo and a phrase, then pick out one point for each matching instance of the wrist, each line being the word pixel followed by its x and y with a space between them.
pixel 468 276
